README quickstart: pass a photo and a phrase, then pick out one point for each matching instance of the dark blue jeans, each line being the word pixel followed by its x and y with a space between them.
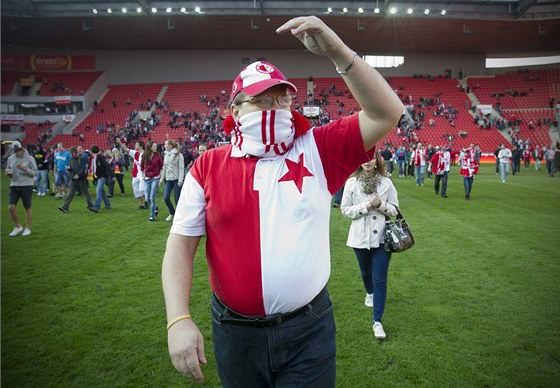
pixel 443 179
pixel 402 167
pixel 338 196
pixel 468 186
pixel 300 352
pixel 100 194
pixel 168 187
pixel 374 268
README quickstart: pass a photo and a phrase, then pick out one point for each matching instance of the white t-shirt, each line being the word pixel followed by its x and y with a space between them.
pixel 504 155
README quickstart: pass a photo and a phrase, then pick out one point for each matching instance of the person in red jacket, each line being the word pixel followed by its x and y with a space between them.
pixel 151 165
pixel 527 157
pixel 439 166
pixel 469 168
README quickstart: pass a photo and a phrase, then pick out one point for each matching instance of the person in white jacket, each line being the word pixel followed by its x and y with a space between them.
pixel 172 175
pixel 368 196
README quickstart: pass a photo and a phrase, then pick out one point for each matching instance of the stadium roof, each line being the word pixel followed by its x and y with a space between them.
pixel 491 27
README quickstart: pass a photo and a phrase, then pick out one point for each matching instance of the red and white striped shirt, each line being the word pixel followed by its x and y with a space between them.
pixel 267 220
pixel 135 155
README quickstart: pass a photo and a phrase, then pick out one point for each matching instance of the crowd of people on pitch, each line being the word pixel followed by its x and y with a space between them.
pixel 423 162
pixel 66 173
pixel 523 152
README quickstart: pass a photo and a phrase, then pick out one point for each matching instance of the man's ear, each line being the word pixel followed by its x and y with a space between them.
pixel 234 112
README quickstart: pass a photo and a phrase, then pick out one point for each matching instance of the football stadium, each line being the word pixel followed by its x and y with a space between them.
pixel 287 135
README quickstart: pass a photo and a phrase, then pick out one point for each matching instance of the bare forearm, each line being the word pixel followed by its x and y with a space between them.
pixel 177 271
pixel 381 107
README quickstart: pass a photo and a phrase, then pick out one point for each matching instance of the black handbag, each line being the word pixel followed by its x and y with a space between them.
pixel 398 237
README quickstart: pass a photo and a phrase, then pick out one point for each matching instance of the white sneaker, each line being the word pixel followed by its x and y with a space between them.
pixel 17 230
pixel 169 218
pixel 26 232
pixel 378 330
pixel 369 300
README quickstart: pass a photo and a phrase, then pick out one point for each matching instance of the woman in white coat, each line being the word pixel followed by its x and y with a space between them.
pixel 172 175
pixel 368 196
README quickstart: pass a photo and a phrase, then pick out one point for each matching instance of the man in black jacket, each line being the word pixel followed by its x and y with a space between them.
pixel 388 158
pixel 516 155
pixel 100 170
pixel 496 152
pixel 78 174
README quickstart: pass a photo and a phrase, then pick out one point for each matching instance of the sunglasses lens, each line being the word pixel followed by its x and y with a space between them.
pixel 264 102
pixel 284 100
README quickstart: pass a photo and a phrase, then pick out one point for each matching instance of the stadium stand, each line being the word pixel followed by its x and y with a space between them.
pixel 524 99
pixel 36 133
pixel 52 83
pixel 516 90
pixel 9 79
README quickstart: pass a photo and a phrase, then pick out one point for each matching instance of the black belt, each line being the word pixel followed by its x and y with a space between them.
pixel 270 321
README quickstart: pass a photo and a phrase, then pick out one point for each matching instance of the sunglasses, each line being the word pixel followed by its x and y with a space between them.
pixel 267 101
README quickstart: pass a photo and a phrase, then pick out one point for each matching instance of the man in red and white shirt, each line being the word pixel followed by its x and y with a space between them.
pixel 418 160
pixel 137 178
pixel 264 204
pixel 469 168
pixel 440 164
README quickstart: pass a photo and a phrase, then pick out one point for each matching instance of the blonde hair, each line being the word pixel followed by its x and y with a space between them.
pixel 116 153
pixel 172 143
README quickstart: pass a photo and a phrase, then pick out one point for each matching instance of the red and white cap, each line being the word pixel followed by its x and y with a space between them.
pixel 257 77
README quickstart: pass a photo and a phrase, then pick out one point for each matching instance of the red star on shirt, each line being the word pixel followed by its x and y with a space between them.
pixel 296 172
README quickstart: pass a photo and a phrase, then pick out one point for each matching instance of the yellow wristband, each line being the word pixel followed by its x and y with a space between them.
pixel 177 319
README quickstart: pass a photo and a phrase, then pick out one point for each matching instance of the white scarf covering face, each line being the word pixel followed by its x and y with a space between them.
pixel 264 133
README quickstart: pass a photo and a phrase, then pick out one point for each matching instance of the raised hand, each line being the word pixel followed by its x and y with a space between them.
pixel 316 36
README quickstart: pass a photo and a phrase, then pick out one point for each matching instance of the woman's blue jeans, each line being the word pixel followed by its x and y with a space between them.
pixel 168 187
pixel 300 352
pixel 374 268
pixel 150 188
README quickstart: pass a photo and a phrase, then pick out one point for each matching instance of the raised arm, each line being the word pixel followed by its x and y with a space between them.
pixel 123 147
pixel 381 107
